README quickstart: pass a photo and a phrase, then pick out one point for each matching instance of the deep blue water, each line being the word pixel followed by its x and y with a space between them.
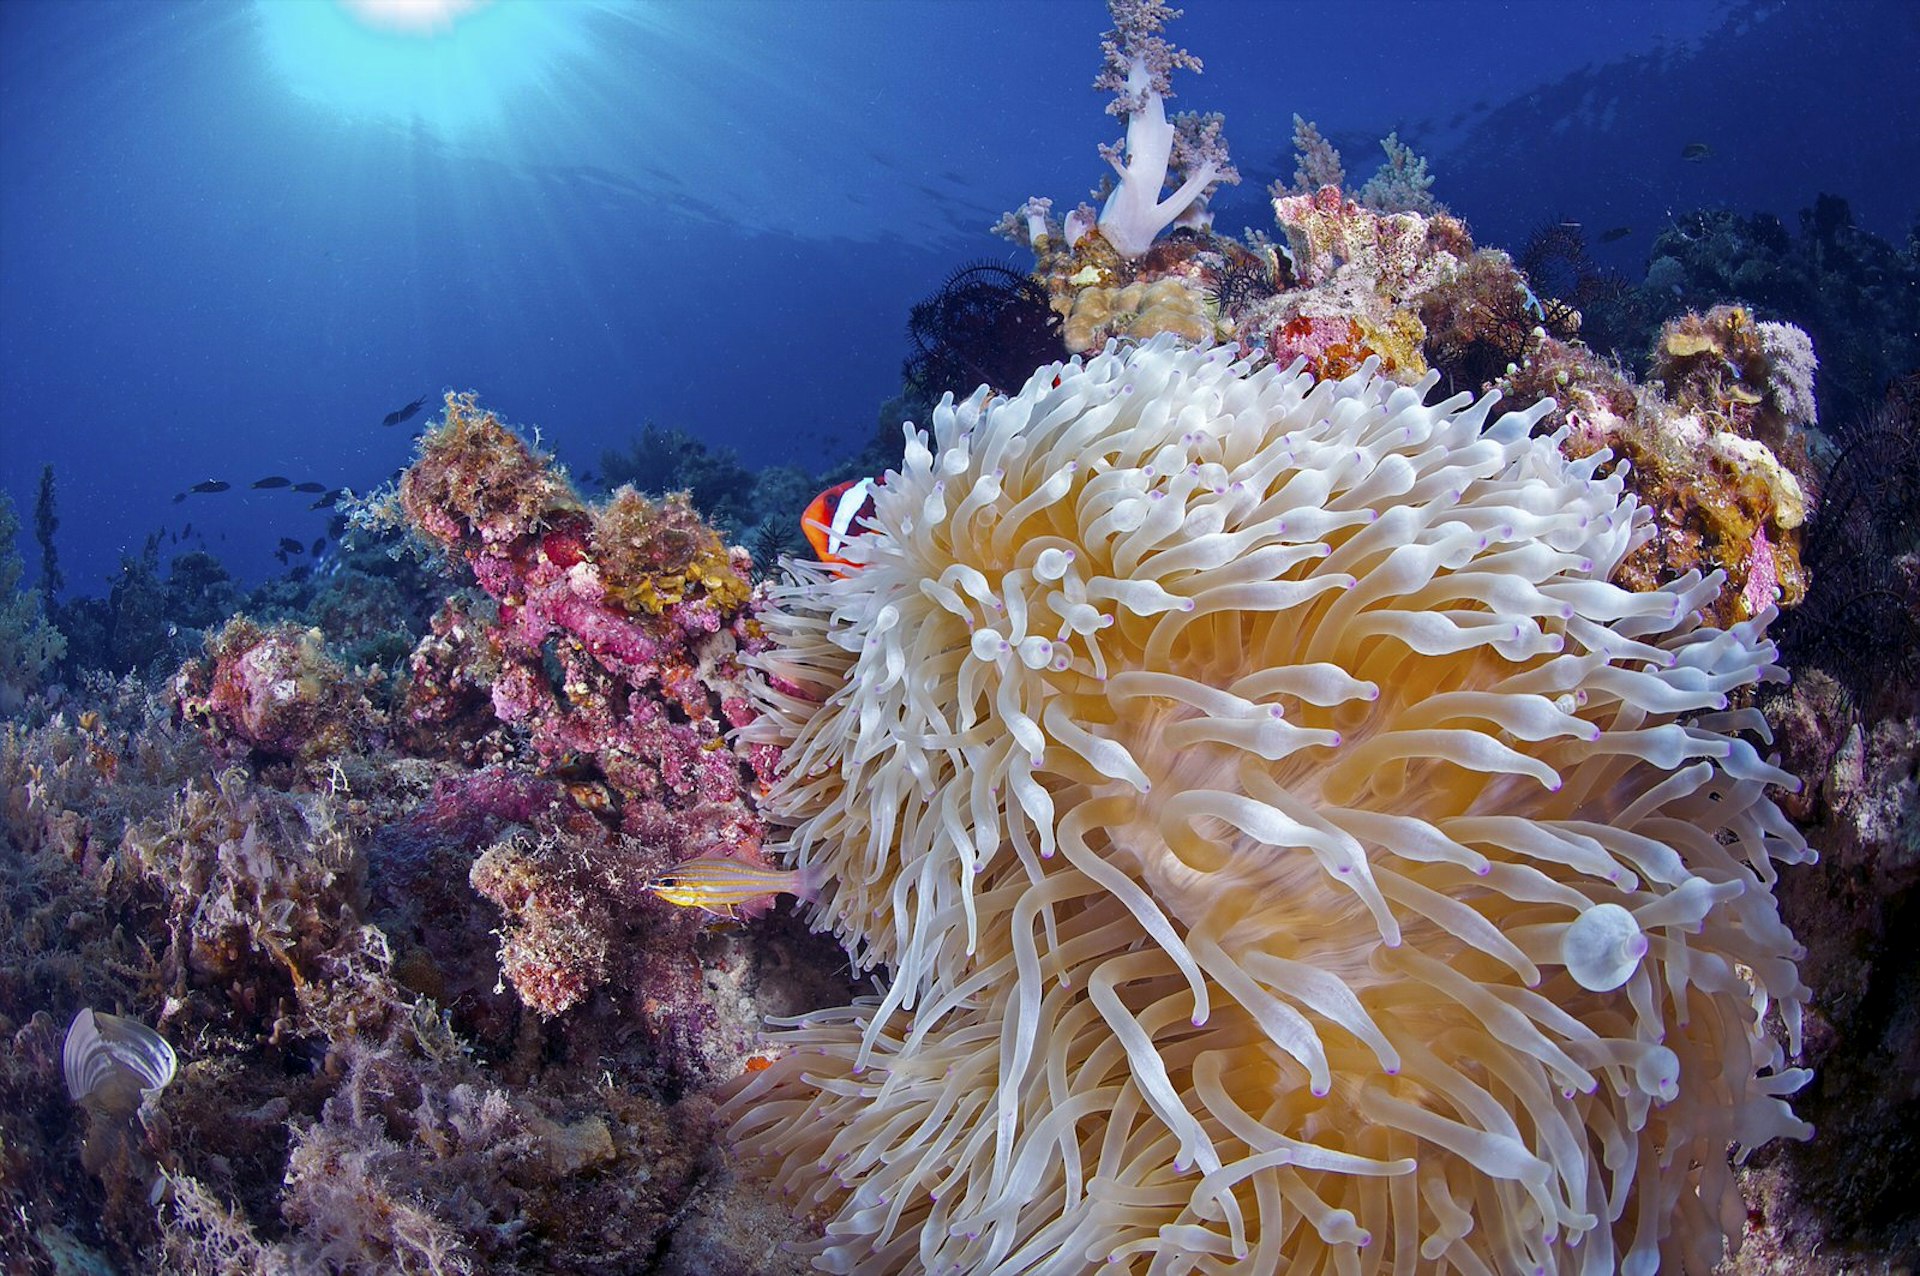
pixel 229 245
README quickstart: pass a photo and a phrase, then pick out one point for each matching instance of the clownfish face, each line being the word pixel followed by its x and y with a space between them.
pixel 834 519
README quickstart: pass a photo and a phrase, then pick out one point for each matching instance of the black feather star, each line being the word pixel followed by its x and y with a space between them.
pixel 1240 287
pixel 989 324
pixel 1860 620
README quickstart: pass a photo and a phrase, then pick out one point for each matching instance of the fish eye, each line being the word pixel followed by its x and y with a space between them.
pixel 668 882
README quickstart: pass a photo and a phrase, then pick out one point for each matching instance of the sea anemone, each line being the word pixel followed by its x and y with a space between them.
pixel 1288 849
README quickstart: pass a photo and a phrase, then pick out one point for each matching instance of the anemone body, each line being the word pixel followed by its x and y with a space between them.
pixel 1285 849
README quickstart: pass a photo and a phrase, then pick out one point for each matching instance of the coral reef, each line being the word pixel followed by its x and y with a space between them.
pixel 446 709
pixel 1265 819
pixel 604 617
pixel 1138 310
pixel 1399 255
pixel 1715 434
pixel 655 555
pixel 393 914
pixel 1713 441
pixel 401 1154
pixel 613 651
pixel 72 936
pixel 1487 318
pixel 1855 294
pixel 200 593
pixel 1857 909
pixel 274 691
pixel 356 1092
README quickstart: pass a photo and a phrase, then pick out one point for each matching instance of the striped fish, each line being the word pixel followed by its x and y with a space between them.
pixel 720 884
pixel 835 518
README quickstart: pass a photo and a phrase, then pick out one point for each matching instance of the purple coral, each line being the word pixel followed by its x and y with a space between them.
pixel 1136 45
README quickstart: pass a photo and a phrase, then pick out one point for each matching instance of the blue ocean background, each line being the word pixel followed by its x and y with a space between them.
pixel 234 236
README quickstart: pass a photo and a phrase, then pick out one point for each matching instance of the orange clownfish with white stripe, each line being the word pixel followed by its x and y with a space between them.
pixel 835 517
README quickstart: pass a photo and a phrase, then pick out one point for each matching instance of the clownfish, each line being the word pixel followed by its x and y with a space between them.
pixel 831 521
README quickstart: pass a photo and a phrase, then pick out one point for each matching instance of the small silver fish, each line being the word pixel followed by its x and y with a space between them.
pixel 720 884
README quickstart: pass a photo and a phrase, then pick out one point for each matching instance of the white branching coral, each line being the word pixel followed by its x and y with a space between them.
pixel 1188 151
pixel 1290 852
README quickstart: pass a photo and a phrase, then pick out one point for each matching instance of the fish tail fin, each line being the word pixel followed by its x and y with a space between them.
pixel 807 882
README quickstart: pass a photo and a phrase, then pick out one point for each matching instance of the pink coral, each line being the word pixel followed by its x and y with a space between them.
pixel 1400 255
pixel 616 651
pixel 1762 589
pixel 1312 337
pixel 619 629
pixel 274 691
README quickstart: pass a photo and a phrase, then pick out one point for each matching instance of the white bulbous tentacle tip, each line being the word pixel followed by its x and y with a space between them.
pixel 989 645
pixel 1603 947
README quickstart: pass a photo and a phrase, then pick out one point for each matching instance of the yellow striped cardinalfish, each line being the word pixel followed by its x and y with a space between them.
pixel 720 884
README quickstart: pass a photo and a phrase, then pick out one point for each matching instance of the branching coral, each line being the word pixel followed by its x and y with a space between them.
pixel 1316 164
pixel 1291 853
pixel 1402 184
pixel 1189 149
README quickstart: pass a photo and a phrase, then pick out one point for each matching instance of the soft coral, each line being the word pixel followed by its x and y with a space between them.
pixel 1139 61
